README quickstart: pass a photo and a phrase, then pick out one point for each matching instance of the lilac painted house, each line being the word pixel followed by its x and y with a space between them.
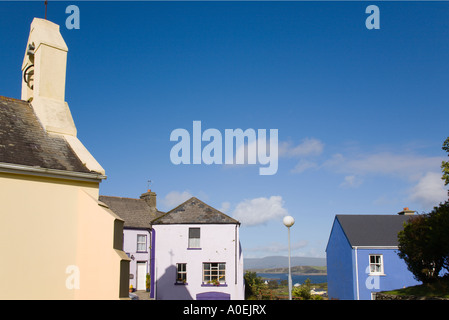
pixel 197 254
pixel 137 233
pixel 191 252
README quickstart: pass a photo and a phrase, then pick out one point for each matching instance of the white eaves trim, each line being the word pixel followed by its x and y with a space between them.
pixel 51 173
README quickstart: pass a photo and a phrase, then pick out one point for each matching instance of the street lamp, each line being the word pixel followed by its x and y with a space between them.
pixel 288 222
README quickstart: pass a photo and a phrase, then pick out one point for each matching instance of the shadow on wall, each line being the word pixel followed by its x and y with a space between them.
pixel 167 289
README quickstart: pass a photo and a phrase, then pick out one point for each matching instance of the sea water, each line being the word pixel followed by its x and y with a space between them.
pixel 296 278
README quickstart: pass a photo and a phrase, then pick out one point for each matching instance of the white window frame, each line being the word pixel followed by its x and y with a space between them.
pixel 376 267
pixel 216 271
pixel 144 243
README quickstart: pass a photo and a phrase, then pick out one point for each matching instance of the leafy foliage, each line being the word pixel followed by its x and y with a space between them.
pixel 445 164
pixel 424 244
pixel 253 284
pixel 416 249
pixel 303 291
pixel 424 241
pixel 439 218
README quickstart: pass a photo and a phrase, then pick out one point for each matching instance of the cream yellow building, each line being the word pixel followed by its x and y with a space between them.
pixel 58 240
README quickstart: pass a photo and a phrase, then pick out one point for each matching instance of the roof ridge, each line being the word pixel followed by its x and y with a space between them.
pixel 216 210
pixel 121 197
pixel 181 204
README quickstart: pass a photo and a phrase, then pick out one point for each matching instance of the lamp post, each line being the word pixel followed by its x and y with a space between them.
pixel 288 222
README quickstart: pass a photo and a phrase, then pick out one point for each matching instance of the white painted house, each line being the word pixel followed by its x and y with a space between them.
pixel 197 254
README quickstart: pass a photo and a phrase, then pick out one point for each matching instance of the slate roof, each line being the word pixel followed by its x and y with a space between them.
pixel 372 230
pixel 135 212
pixel 24 141
pixel 194 211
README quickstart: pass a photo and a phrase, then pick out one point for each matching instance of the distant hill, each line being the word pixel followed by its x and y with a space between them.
pixel 311 270
pixel 281 262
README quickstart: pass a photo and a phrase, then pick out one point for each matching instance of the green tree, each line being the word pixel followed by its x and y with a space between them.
pixel 424 241
pixel 284 283
pixel 303 291
pixel 253 284
pixel 417 248
pixel 273 284
pixel 440 215
pixel 445 164
pixel 439 222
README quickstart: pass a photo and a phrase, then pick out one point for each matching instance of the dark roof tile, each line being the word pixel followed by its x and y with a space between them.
pixel 372 230
pixel 194 211
pixel 135 212
pixel 24 141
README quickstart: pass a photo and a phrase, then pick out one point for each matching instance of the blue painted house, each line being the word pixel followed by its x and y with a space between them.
pixel 362 256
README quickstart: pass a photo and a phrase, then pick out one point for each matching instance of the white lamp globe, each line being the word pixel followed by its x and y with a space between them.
pixel 288 221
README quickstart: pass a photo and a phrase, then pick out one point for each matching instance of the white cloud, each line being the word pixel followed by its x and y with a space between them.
pixel 175 198
pixel 406 165
pixel 429 191
pixel 307 147
pixel 410 167
pixel 259 210
pixel 225 207
pixel 303 165
pixel 351 182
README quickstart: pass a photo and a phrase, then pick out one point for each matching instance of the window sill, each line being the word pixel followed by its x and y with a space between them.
pixel 181 283
pixel 213 285
pixel 194 249
pixel 377 274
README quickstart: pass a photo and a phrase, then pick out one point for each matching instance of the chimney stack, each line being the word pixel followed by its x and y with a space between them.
pixel 150 199
pixel 406 212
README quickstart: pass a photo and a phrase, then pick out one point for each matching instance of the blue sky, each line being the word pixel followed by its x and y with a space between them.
pixel 361 114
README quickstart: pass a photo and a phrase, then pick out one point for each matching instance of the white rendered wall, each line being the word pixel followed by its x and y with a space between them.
pixel 219 243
